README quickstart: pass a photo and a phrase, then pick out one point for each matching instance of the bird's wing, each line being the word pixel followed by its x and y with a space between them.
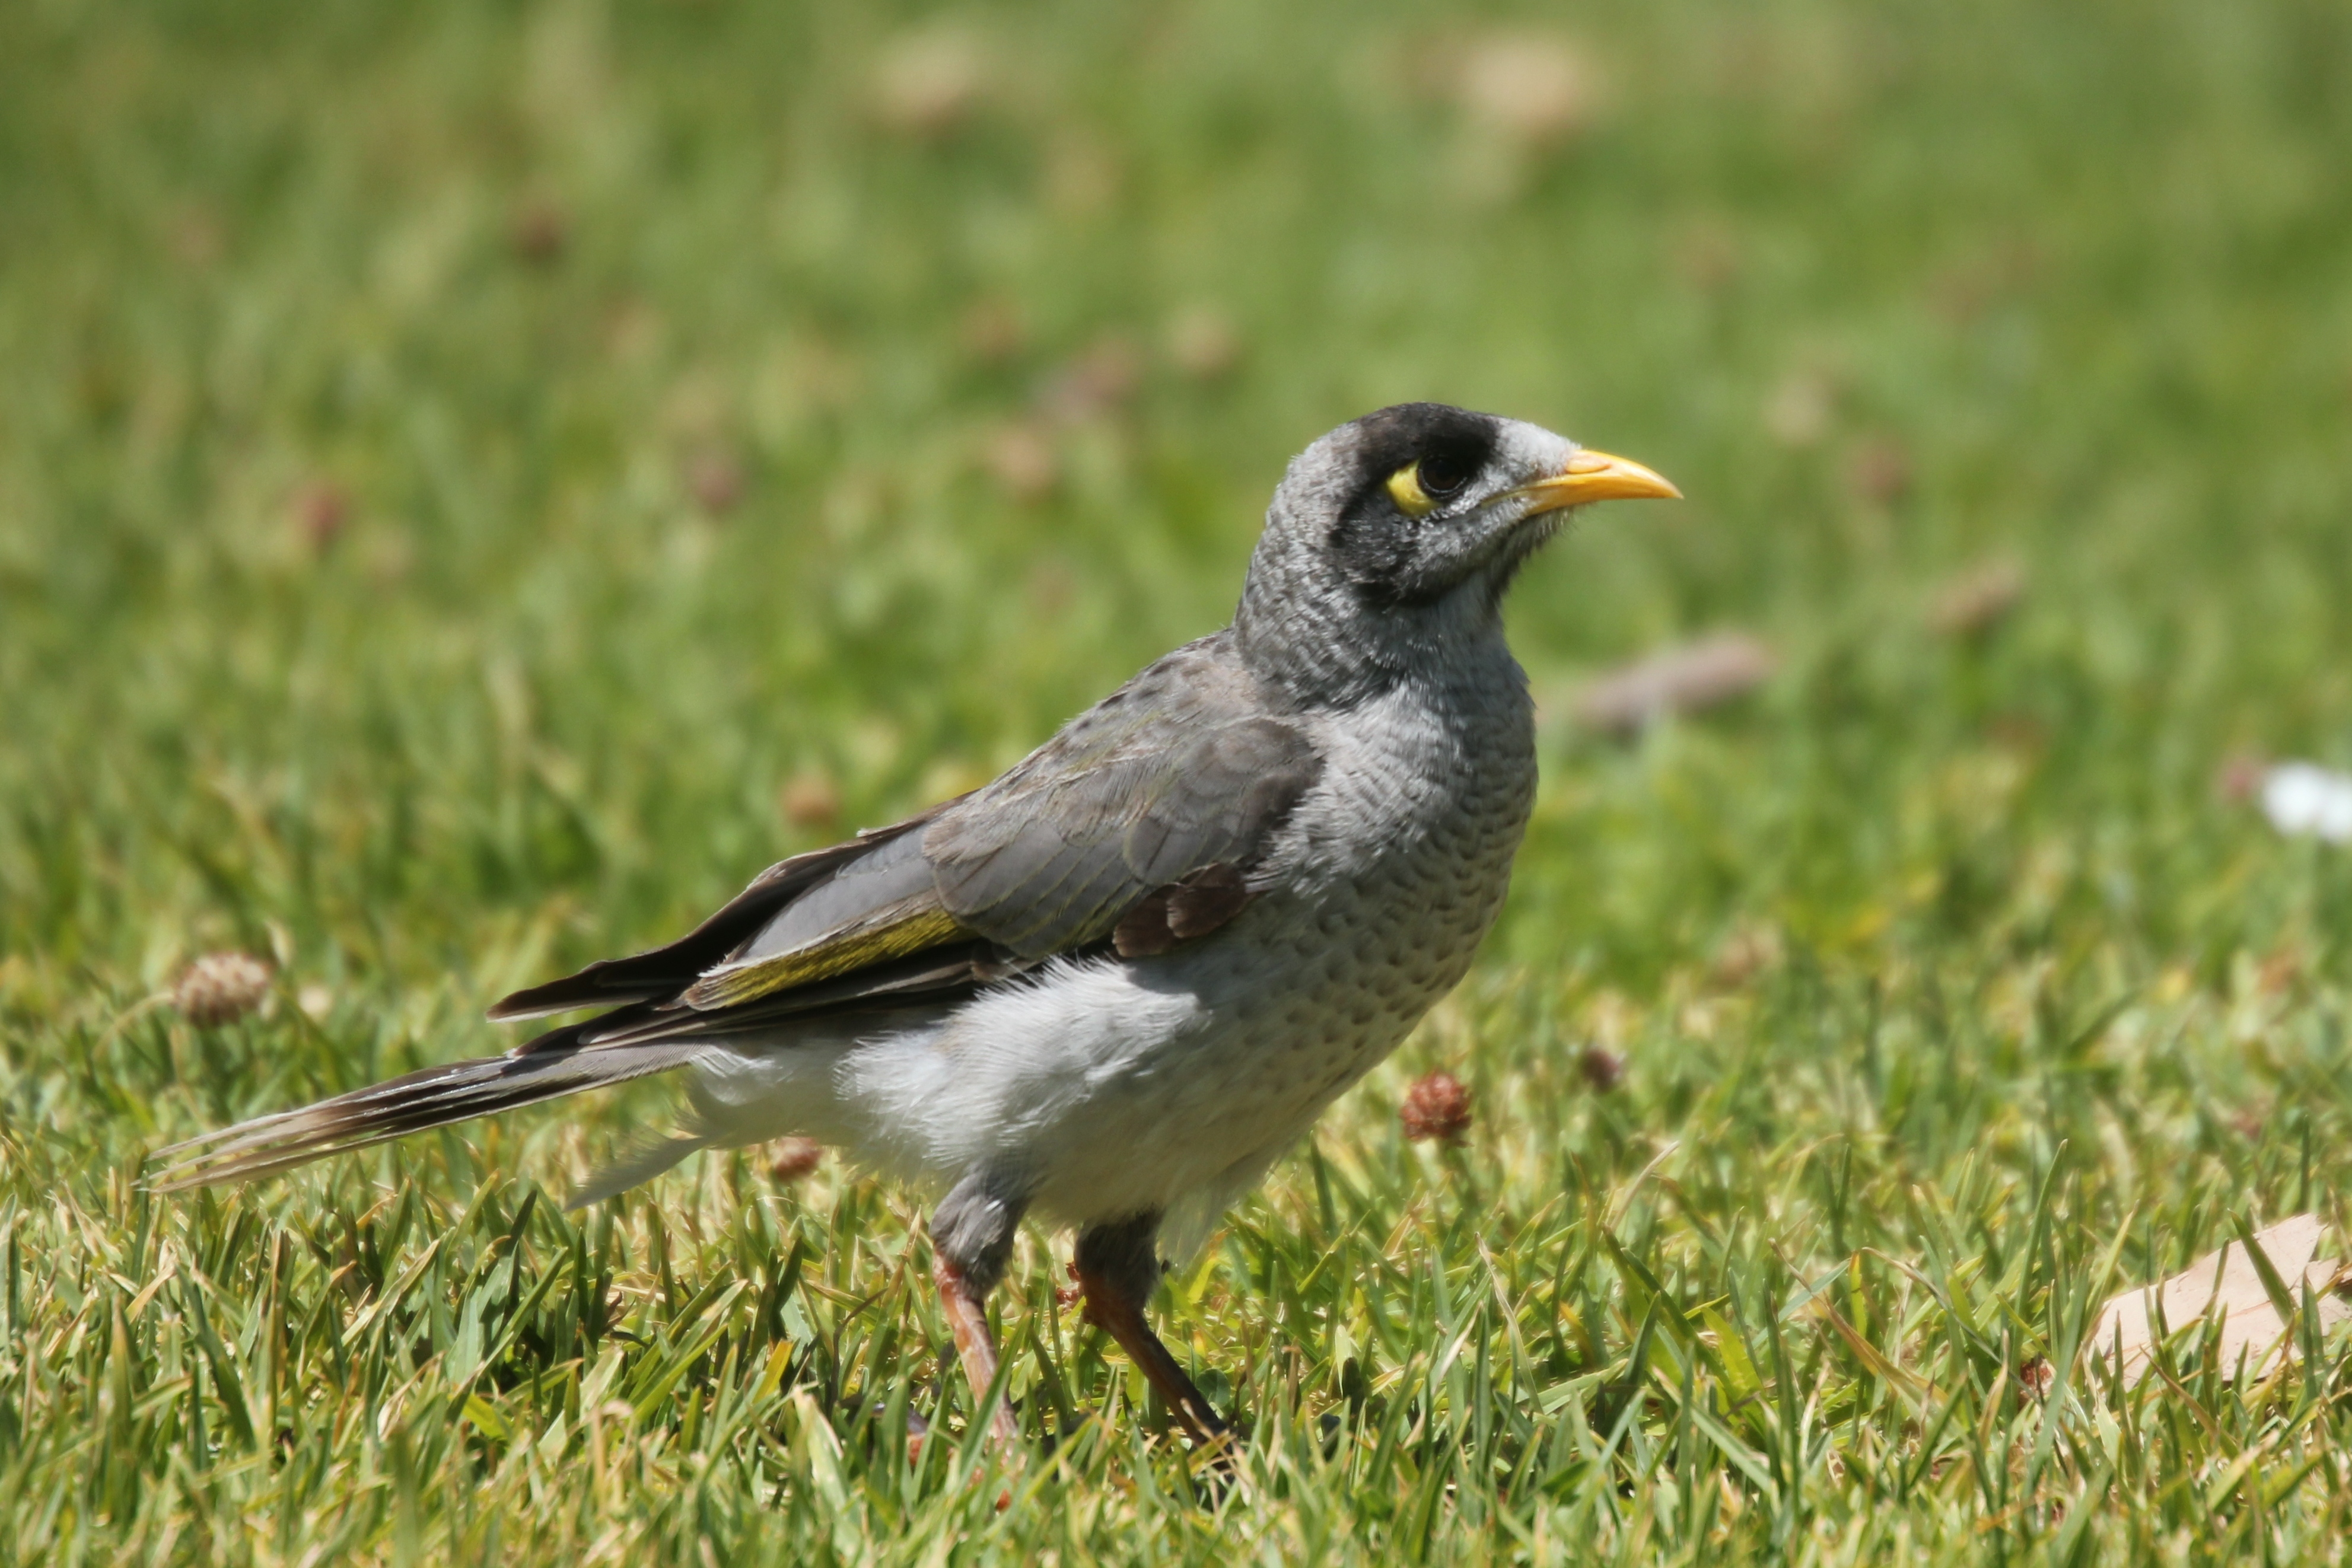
pixel 1140 822
pixel 1137 825
pixel 874 912
pixel 665 971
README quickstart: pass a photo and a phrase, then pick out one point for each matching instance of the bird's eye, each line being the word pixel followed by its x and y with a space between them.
pixel 1441 475
pixel 1419 487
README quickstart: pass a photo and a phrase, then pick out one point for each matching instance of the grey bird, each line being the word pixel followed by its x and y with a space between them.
pixel 1112 987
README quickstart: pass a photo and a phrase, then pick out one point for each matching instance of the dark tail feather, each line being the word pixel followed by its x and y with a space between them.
pixel 434 1097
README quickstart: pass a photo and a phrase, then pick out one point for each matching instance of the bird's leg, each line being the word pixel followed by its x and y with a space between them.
pixel 967 1310
pixel 971 1236
pixel 1118 1267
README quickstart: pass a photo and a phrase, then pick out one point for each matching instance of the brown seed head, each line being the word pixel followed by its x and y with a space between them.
pixel 1436 1106
pixel 2240 779
pixel 794 1158
pixel 320 510
pixel 1202 344
pixel 1976 602
pixel 1601 1069
pixel 220 987
pixel 1879 471
pixel 540 234
pixel 715 479
pixel 992 331
pixel 809 799
pixel 194 234
pixel 1748 952
pixel 1097 380
pixel 1707 255
pixel 1022 459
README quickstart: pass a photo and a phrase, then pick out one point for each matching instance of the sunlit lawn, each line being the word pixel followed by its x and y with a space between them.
pixel 478 482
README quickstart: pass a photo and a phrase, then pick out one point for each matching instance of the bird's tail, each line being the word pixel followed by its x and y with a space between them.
pixel 434 1097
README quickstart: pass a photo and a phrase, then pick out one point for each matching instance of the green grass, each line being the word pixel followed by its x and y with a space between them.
pixel 1952 996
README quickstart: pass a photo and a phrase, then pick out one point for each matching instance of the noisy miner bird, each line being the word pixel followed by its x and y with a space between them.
pixel 1112 987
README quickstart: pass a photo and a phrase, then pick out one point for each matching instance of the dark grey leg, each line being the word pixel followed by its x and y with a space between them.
pixel 1119 1267
pixel 972 1238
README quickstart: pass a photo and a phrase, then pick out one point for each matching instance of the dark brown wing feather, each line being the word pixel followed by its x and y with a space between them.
pixel 665 971
pixel 927 978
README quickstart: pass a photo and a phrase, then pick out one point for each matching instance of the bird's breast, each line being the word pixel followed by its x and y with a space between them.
pixel 1386 878
pixel 1419 788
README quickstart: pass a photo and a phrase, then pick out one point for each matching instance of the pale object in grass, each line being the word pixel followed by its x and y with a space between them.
pixel 221 987
pixel 1685 679
pixel 2228 1286
pixel 928 85
pixel 1022 458
pixel 810 799
pixel 1798 410
pixel 714 478
pixel 1099 380
pixel 2302 798
pixel 1202 344
pixel 1529 88
pixel 1879 472
pixel 1978 600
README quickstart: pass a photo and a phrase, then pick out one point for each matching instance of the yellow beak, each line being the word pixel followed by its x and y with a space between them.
pixel 1596 476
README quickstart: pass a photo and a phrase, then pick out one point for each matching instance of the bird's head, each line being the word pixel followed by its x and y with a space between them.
pixel 1396 534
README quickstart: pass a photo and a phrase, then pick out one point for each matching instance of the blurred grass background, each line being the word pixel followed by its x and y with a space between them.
pixel 479 481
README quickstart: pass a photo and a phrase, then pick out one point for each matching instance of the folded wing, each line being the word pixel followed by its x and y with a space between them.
pixel 1135 826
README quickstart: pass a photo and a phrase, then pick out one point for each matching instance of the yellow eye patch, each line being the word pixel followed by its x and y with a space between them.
pixel 1404 489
